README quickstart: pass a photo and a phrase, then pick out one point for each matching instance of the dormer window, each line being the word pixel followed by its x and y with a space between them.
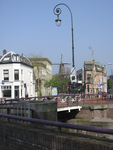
pixel 20 59
pixel 15 57
pixel 6 58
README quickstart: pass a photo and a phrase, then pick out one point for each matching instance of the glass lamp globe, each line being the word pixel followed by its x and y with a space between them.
pixel 58 22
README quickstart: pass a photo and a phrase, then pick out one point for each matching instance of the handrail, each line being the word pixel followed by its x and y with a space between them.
pixel 59 124
pixel 37 113
pixel 32 109
pixel 71 100
pixel 28 98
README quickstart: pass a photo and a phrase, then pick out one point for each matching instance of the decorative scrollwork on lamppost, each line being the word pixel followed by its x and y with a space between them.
pixel 57 12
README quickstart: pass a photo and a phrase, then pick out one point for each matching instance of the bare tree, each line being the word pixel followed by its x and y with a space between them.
pixel 37 68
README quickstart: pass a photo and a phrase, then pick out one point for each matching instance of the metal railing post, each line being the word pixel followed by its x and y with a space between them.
pixel 107 99
pixel 8 112
pixel 77 100
pixel 59 129
pixel 67 101
pixel 83 99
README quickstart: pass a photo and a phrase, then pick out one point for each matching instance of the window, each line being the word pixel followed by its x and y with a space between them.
pixel 88 77
pixel 16 74
pixel 88 88
pixel 16 91
pixel 6 58
pixel 6 91
pixel 16 58
pixel 22 75
pixel 80 77
pixel 6 75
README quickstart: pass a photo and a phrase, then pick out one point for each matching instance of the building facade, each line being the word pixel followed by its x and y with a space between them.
pixel 16 76
pixel 110 83
pixel 42 69
pixel 92 78
pixel 95 77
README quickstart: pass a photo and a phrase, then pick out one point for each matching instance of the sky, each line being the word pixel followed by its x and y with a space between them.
pixel 28 26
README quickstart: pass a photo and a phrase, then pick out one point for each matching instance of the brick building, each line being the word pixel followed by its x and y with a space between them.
pixel 92 78
pixel 95 77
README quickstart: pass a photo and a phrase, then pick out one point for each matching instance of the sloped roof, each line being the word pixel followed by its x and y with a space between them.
pixel 0 56
pixel 14 57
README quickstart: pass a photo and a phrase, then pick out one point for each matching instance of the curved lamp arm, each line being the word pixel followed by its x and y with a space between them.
pixel 57 11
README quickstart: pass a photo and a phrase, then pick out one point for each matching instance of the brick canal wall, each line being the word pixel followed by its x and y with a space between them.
pixel 25 137
pixel 96 116
pixel 96 111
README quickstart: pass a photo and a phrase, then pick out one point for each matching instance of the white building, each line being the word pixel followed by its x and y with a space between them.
pixel 16 76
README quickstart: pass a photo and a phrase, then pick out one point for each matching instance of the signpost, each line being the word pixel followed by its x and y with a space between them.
pixel 73 74
pixel 54 90
pixel 3 84
pixel 3 81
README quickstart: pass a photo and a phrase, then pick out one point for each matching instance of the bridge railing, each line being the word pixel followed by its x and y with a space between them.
pixel 22 108
pixel 59 124
pixel 97 99
pixel 8 110
pixel 70 99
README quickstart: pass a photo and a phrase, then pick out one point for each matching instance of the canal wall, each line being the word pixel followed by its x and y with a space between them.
pixel 25 137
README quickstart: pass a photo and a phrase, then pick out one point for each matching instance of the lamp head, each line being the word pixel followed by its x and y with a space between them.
pixel 58 21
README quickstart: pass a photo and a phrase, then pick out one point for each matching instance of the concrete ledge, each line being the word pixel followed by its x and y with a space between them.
pixel 101 106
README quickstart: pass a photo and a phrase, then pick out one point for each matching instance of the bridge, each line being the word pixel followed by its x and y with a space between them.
pixel 71 102
pixel 68 102
pixel 19 111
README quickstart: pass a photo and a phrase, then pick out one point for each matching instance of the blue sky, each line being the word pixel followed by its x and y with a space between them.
pixel 28 26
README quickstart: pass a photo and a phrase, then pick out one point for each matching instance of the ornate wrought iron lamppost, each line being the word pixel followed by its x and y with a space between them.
pixel 57 11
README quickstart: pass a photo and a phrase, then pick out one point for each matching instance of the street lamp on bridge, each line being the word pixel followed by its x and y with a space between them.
pixel 57 11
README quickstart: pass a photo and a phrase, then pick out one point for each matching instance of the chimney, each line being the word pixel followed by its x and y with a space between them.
pixel 4 52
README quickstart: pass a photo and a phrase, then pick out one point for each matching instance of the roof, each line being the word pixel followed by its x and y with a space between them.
pixel 40 59
pixel 89 66
pixel 12 57
pixel 91 62
pixel 0 56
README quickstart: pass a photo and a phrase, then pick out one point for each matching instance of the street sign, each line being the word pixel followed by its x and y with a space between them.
pixel 73 71
pixel 73 75
pixel 99 83
pixel 67 85
pixel 54 90
pixel 2 81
